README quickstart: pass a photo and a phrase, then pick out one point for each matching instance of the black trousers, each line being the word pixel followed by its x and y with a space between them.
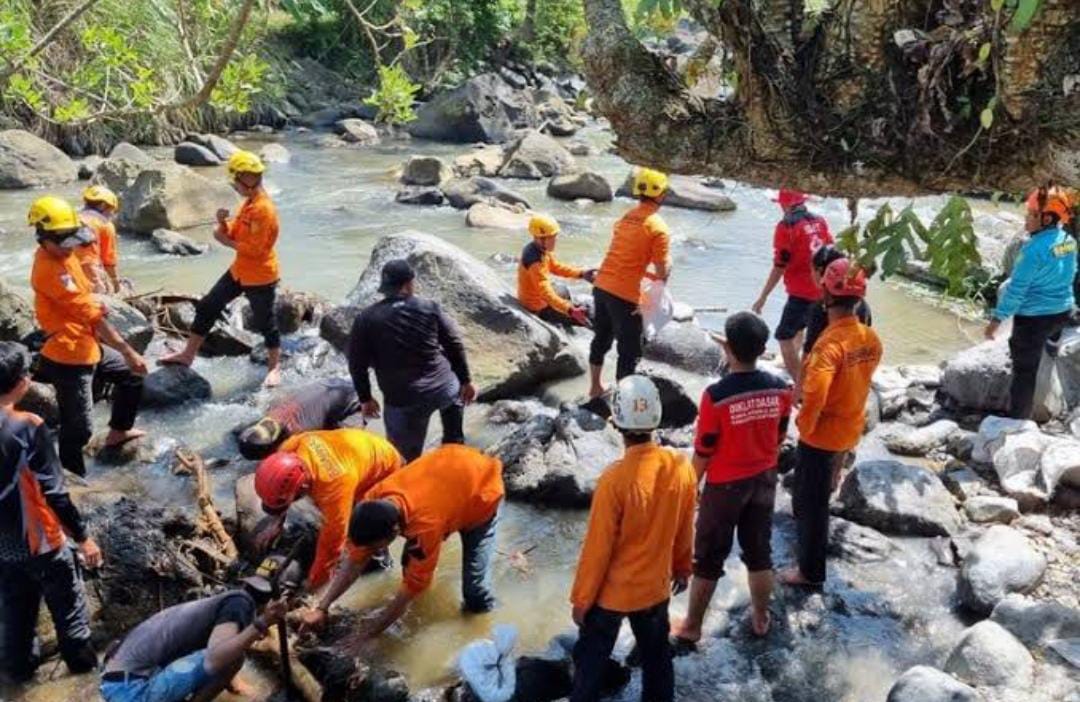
pixel 75 397
pixel 55 578
pixel 597 638
pixel 1029 337
pixel 228 289
pixel 616 321
pixel 406 427
pixel 810 501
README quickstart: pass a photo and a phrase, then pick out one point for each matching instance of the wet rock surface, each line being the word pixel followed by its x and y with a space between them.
pixel 988 655
pixel 172 197
pixel 905 440
pixel 16 314
pixel 424 170
pixel 27 161
pixel 925 684
pixel 978 378
pixel 169 386
pixel 189 154
pixel 897 498
pixel 587 185
pixel 685 345
pixel 176 244
pixel 463 193
pixel 535 156
pixel 1001 561
pixel 687 193
pixel 131 324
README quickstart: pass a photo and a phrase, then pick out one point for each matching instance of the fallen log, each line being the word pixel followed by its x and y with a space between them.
pixel 304 683
pixel 193 462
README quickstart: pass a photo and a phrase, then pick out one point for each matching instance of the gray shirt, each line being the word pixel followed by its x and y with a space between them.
pixel 179 631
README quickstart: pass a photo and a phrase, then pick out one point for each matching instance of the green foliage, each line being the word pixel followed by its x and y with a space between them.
pixel 1024 13
pixel 559 30
pixel 241 80
pixel 395 95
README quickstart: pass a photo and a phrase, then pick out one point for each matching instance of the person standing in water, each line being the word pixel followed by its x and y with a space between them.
pixel 252 233
pixel 99 258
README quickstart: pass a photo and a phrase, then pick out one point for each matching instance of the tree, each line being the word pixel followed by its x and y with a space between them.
pixel 860 98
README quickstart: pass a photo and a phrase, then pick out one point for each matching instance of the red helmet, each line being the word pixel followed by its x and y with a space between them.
pixel 278 480
pixel 844 279
pixel 790 198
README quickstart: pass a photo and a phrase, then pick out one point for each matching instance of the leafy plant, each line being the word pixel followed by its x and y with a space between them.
pixel 241 80
pixel 395 95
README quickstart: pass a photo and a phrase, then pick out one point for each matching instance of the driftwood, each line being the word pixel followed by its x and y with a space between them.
pixel 304 683
pixel 209 518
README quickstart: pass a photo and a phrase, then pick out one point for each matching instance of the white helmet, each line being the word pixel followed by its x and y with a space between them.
pixel 636 405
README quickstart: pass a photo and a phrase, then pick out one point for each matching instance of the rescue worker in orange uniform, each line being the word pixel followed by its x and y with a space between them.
pixel 252 233
pixel 640 239
pixel 334 468
pixel 99 258
pixel 538 264
pixel 638 549
pixel 453 488
pixel 37 517
pixel 76 325
pixel 836 379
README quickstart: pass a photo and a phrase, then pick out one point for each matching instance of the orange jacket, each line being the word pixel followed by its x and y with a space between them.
pixel 535 291
pixel 640 238
pixel 103 250
pixel 451 489
pixel 641 531
pixel 835 383
pixel 66 310
pixel 343 465
pixel 255 231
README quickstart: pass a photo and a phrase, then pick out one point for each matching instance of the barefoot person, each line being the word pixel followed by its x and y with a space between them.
pixel 835 384
pixel 99 258
pixel 637 550
pixel 76 325
pixel 324 404
pixel 333 468
pixel 538 264
pixel 254 273
pixel 37 518
pixel 741 423
pixel 640 239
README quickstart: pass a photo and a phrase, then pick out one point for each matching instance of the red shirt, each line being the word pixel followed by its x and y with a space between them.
pixel 798 235
pixel 743 418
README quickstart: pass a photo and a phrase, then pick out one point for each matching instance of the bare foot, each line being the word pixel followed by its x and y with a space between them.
pixel 115 438
pixel 794 576
pixel 273 378
pixel 180 358
pixel 682 631
pixel 760 622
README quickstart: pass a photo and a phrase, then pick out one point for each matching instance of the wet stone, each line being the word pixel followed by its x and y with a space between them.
pixel 925 684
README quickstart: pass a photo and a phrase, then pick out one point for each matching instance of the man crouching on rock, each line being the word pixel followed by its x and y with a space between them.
pixel 454 488
pixel 193 650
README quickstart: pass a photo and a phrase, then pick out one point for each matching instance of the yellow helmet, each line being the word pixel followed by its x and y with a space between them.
pixel 649 183
pixel 53 214
pixel 99 193
pixel 542 226
pixel 244 162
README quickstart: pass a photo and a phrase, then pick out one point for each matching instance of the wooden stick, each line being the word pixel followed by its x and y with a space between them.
pixel 205 500
pixel 304 683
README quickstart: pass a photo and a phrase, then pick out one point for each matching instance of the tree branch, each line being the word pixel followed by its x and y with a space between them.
pixel 17 64
pixel 228 48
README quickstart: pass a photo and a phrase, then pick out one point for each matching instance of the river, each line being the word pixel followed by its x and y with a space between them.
pixel 334 205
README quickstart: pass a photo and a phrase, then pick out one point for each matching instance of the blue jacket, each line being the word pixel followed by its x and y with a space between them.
pixel 1042 279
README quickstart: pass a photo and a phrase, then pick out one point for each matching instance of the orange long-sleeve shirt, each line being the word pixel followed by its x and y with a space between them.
pixel 535 291
pixel 104 249
pixel 65 309
pixel 343 465
pixel 641 237
pixel 451 489
pixel 255 231
pixel 640 533
pixel 836 383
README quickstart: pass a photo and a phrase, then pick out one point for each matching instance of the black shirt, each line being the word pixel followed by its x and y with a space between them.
pixel 415 349
pixel 320 405
pixel 818 318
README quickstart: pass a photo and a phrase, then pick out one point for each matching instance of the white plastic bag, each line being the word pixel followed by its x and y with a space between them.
pixel 487 666
pixel 657 307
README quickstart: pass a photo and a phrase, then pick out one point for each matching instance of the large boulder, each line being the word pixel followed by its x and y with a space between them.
pixel 1037 622
pixel 898 498
pixel 27 161
pixel 40 399
pixel 129 152
pixel 534 156
pixel 419 195
pixel 1002 561
pixel 221 147
pixel 463 193
pixel 989 656
pixel 292 310
pixel 1060 464
pixel 424 170
pixel 858 544
pixel 132 324
pixel 117 174
pixel 905 440
pixel 275 153
pixel 992 433
pixel 685 345
pixel 481 161
pixel 925 684
pixel 498 216
pixel 169 386
pixel 188 154
pixel 575 186
pixel 510 351
pixel 16 314
pixel 484 108
pixel 172 197
pixel 978 378
pixel 176 244
pixel 688 193
pixel 679 408
pixel 357 131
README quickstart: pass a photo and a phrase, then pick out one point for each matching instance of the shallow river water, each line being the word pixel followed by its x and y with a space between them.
pixel 334 205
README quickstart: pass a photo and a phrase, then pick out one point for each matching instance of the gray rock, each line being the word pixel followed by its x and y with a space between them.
pixel 534 156
pixel 424 170
pixel 687 193
pixel 483 109
pixel 417 195
pixel 169 386
pixel 1018 463
pixel 987 655
pixel 1000 562
pixel 513 411
pixel 88 166
pixel 1060 464
pixel 217 145
pixel 498 215
pixel 275 153
pixel 961 444
pixel 510 351
pixel 188 154
pixel 685 345
pixel 679 408
pixel 978 378
pixel 925 684
pixel 963 483
pixel 129 152
pixel 858 544
pixel 132 324
pixel 463 193
pixel 227 339
pixel 176 244
pixel 991 508
pixel 587 185
pixel 172 197
pixel 357 131
pixel 484 161
pixel 138 450
pixel 992 433
pixel 1069 650
pixel 579 148
pixel 897 498
pixel 910 441
pixel 1036 622
pixel 117 174
pixel 292 310
pixel 40 399
pixel 16 314
pixel 27 161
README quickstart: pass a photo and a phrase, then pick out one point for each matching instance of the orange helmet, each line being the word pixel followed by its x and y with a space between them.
pixel 1052 200
pixel 278 481
pixel 844 279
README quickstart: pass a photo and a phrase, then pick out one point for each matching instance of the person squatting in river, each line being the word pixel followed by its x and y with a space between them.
pixel 538 263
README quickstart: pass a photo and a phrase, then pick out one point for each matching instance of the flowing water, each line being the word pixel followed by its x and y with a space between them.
pixel 334 205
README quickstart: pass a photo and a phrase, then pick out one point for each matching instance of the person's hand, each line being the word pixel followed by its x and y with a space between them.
pixel 468 393
pixel 759 304
pixel 313 619
pixel 222 216
pixel 679 584
pixel 135 362
pixel 991 329
pixel 266 533
pixel 275 611
pixel 578 613
pixel 589 276
pixel 580 316
pixel 371 409
pixel 91 554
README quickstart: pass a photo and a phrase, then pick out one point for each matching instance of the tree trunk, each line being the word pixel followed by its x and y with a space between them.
pixel 870 97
